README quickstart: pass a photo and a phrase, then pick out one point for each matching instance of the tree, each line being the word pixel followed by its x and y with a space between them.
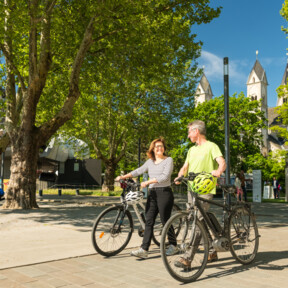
pixel 46 43
pixel 282 89
pixel 272 165
pixel 246 122
pixel 122 103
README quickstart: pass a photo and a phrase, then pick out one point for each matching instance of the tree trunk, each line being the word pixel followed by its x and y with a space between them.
pixel 108 184
pixel 21 192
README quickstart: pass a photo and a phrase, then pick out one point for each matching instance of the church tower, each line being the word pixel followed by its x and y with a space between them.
pixel 281 100
pixel 203 91
pixel 257 90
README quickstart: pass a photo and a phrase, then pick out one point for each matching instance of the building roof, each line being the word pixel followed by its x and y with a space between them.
pixel 285 75
pixel 273 120
pixel 259 71
pixel 205 84
pixel 273 117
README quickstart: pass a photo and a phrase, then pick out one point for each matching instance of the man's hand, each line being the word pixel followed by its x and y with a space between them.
pixel 216 173
pixel 177 182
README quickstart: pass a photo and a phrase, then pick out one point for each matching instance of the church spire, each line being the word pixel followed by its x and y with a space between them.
pixel 281 100
pixel 203 90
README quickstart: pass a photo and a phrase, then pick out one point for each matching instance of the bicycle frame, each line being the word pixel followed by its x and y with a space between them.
pixel 226 208
pixel 134 206
pixel 220 242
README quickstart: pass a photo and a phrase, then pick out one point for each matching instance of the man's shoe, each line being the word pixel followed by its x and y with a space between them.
pixel 212 257
pixel 171 250
pixel 140 253
pixel 183 263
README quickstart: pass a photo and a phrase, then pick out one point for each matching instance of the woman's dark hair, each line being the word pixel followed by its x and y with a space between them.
pixel 150 153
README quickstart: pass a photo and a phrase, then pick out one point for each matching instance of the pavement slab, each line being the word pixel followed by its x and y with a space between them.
pixel 51 247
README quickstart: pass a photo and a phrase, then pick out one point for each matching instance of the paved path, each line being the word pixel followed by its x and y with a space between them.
pixel 51 247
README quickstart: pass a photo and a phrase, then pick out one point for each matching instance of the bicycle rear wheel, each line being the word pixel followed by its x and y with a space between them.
pixel 158 227
pixel 243 235
pixel 112 231
pixel 198 253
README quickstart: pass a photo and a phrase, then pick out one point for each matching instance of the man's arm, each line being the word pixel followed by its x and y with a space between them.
pixel 221 167
pixel 183 171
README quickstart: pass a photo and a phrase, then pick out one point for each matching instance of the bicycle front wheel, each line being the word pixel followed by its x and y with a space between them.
pixel 243 235
pixel 112 231
pixel 189 262
pixel 158 227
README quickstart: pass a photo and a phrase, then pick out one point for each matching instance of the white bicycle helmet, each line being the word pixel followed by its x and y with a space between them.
pixel 134 197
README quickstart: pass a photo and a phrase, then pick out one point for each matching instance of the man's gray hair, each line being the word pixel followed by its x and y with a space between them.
pixel 200 125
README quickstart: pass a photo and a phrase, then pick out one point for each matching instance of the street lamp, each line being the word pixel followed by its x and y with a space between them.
pixel 226 113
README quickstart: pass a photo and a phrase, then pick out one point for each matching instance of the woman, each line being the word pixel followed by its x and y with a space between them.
pixel 238 188
pixel 160 196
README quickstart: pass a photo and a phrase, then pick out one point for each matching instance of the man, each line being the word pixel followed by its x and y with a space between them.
pixel 275 188
pixel 205 156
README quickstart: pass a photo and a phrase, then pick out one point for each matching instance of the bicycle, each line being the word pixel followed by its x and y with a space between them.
pixel 113 228
pixel 238 233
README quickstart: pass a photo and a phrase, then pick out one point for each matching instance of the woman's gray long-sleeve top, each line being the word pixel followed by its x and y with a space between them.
pixel 161 172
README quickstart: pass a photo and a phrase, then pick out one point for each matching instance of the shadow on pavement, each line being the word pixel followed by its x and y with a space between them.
pixel 79 217
pixel 263 261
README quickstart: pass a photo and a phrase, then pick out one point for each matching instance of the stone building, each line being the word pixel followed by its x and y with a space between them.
pixel 256 90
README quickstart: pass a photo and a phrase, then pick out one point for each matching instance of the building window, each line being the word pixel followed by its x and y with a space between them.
pixel 76 167
pixel 254 98
pixel 285 100
pixel 61 168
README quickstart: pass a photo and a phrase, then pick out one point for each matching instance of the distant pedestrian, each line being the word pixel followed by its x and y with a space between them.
pixel 238 187
pixel 243 184
pixel 275 188
pixel 1 194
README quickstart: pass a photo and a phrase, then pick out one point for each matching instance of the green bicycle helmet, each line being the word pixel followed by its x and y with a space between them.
pixel 204 183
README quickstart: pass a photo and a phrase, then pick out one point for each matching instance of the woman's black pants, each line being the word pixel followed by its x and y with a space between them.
pixel 159 200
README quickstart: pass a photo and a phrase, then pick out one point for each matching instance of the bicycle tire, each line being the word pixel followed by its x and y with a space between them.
pixel 243 235
pixel 158 227
pixel 107 239
pixel 198 264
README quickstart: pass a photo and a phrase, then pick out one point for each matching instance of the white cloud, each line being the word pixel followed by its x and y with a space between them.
pixel 213 68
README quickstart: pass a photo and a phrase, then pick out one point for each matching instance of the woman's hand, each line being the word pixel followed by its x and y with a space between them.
pixel 144 184
pixel 118 178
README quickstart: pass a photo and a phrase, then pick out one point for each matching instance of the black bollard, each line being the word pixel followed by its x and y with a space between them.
pixel 77 192
pixel 59 192
pixel 40 192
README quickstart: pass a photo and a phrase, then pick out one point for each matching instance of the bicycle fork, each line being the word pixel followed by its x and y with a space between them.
pixel 194 240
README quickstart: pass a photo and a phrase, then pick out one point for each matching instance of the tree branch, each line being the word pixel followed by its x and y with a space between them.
pixel 49 128
pixel 48 11
pixel 9 60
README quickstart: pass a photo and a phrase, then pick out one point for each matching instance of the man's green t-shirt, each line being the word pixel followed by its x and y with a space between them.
pixel 201 158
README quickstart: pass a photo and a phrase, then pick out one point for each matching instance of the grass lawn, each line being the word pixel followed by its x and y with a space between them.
pixel 85 192
pixel 281 200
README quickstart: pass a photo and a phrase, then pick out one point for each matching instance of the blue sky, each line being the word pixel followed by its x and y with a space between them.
pixel 242 28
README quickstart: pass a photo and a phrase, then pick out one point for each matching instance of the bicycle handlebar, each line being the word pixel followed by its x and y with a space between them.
pixel 191 177
pixel 124 183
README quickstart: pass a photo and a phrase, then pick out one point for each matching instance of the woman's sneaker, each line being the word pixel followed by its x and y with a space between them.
pixel 141 253
pixel 171 250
